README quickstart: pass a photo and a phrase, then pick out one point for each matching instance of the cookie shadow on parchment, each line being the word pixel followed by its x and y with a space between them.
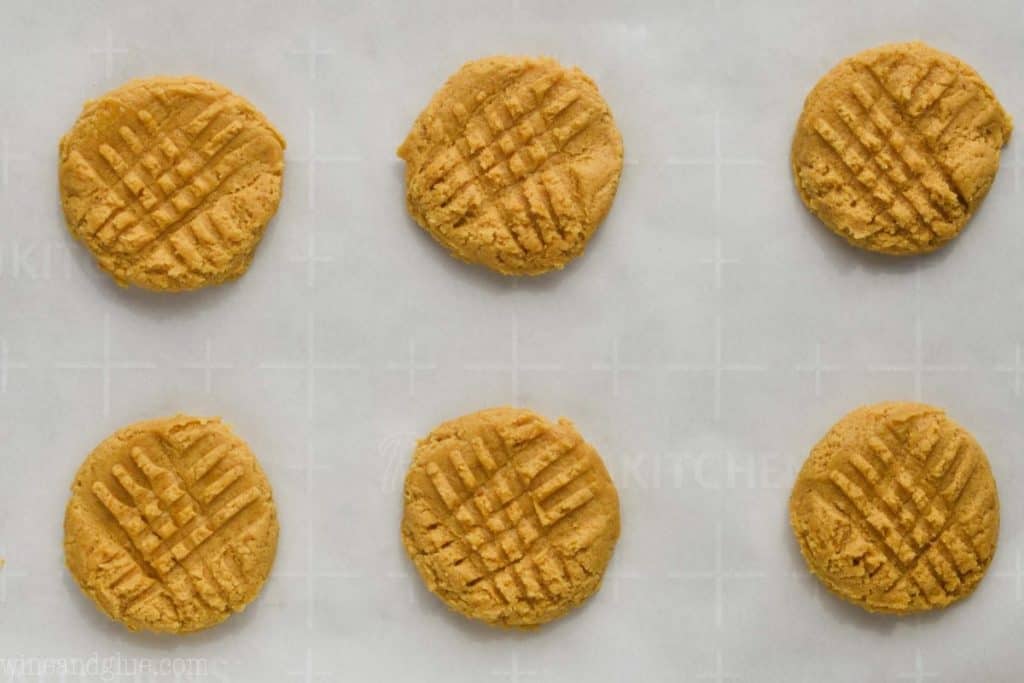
pixel 113 632
pixel 844 256
pixel 161 305
pixel 837 609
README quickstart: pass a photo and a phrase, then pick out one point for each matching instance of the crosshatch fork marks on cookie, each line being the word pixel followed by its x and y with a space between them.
pixel 499 158
pixel 164 175
pixel 148 186
pixel 167 524
pixel 904 496
pixel 176 518
pixel 511 163
pixel 886 150
pixel 505 513
pixel 898 146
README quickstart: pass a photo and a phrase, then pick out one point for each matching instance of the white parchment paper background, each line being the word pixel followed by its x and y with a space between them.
pixel 710 335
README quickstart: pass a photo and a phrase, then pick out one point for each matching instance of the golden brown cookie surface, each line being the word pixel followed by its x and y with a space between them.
pixel 170 182
pixel 171 525
pixel 896 509
pixel 513 164
pixel 897 146
pixel 509 518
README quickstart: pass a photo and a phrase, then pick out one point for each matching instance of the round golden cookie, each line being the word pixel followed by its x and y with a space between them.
pixel 896 509
pixel 170 182
pixel 509 518
pixel 897 146
pixel 513 164
pixel 171 525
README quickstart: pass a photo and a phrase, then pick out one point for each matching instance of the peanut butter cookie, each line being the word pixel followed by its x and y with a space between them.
pixel 513 164
pixel 897 146
pixel 509 518
pixel 170 182
pixel 171 525
pixel 896 509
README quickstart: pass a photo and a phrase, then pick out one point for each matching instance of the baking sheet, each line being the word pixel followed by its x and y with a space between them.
pixel 710 335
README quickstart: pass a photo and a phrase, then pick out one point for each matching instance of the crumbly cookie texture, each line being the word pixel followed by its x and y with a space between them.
pixel 513 164
pixel 171 526
pixel 896 509
pixel 509 518
pixel 170 182
pixel 897 146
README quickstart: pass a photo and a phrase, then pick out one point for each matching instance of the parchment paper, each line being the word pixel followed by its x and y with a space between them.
pixel 710 335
